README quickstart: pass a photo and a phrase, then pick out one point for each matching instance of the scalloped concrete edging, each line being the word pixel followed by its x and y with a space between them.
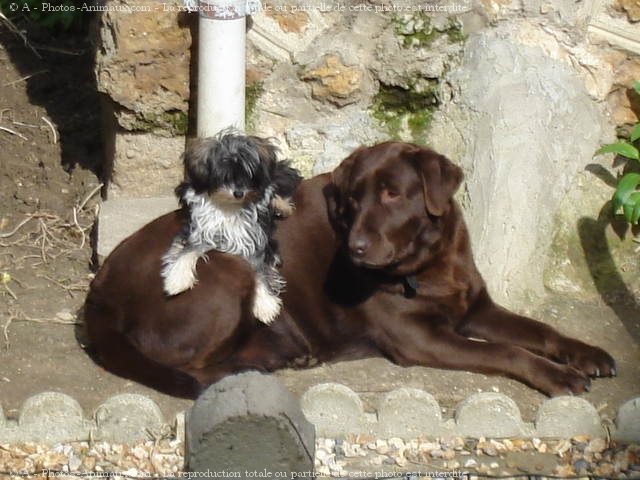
pixel 407 413
pixel 628 421
pixel 335 410
pixel 52 417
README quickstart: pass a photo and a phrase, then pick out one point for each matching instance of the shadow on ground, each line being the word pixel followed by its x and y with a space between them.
pixel 604 271
pixel 58 71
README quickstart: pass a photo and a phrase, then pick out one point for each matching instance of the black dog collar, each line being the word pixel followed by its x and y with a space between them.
pixel 410 283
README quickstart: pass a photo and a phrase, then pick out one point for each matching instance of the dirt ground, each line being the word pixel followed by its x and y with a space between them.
pixel 49 178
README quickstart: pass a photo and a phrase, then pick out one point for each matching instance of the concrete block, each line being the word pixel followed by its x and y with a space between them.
pixel 409 413
pixel 334 409
pixel 127 418
pixel 249 425
pixel 145 164
pixel 489 414
pixel 628 422
pixel 567 416
pixel 50 417
pixel 121 217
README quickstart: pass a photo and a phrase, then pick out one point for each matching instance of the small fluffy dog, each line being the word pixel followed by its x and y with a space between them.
pixel 234 189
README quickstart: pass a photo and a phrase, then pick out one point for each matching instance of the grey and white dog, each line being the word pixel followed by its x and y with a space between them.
pixel 234 190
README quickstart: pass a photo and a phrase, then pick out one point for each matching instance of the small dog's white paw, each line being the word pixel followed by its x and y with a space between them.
pixel 266 305
pixel 180 275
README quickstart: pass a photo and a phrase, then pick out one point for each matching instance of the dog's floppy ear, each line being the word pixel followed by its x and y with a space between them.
pixel 440 179
pixel 342 173
pixel 336 191
pixel 197 168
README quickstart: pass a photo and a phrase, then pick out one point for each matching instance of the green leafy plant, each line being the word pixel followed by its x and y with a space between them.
pixel 627 195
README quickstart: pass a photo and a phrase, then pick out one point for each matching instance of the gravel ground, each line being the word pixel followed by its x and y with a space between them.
pixel 163 458
pixel 354 457
pixel 362 457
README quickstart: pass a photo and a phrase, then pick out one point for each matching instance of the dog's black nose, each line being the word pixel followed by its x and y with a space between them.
pixel 238 194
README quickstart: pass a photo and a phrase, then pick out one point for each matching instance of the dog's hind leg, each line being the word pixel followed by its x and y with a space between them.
pixel 266 302
pixel 283 206
pixel 179 268
pixel 114 352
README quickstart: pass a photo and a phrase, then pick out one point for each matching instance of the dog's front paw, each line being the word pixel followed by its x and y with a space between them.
pixel 266 305
pixel 180 275
pixel 562 380
pixel 592 361
pixel 173 285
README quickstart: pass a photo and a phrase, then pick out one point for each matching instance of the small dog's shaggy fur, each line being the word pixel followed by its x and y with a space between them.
pixel 234 189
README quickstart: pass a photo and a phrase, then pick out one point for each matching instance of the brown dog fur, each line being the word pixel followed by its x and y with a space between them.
pixel 377 261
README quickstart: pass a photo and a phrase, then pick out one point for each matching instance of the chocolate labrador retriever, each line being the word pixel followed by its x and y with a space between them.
pixel 377 261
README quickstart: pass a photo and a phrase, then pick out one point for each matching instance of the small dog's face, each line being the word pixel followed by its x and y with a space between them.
pixel 388 200
pixel 234 170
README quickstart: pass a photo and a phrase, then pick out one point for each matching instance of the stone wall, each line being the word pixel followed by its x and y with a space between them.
pixel 529 105
pixel 143 70
pixel 521 94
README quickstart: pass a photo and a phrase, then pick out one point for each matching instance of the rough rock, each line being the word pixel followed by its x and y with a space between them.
pixel 408 65
pixel 623 101
pixel 142 63
pixel 282 30
pixel 529 126
pixel 631 8
pixel 560 13
pixel 288 21
pixel 342 135
pixel 334 82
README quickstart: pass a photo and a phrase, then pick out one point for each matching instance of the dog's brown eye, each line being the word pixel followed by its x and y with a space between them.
pixel 388 195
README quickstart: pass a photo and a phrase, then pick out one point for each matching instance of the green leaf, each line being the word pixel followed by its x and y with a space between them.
pixel 626 186
pixel 631 208
pixel 635 133
pixel 620 148
pixel 636 87
pixel 635 215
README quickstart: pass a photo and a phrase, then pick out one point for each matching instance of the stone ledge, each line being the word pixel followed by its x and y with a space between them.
pixel 121 217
